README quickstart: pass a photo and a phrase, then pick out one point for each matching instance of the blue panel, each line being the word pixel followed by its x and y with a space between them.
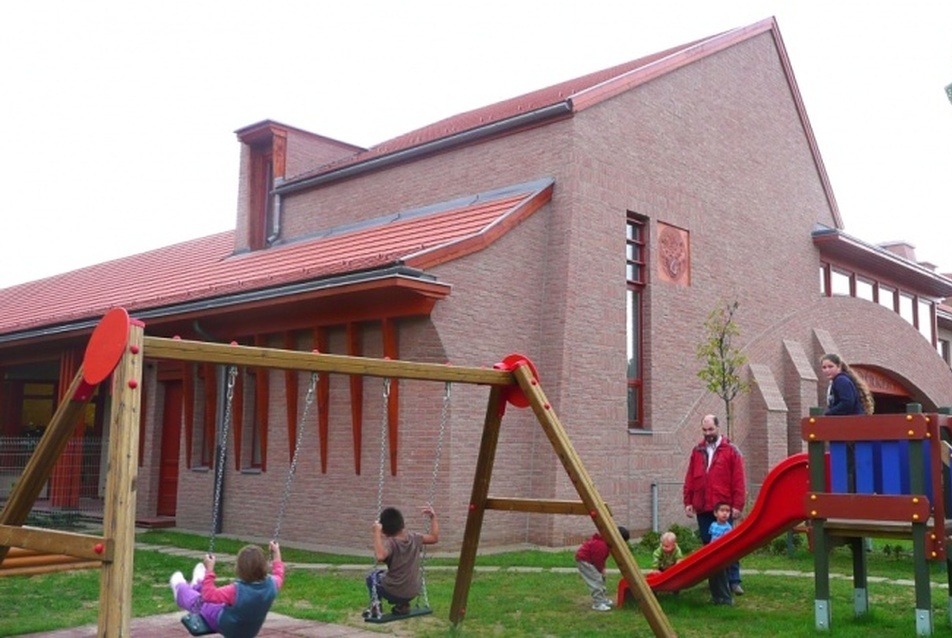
pixel 838 468
pixel 878 463
pixel 867 475
pixel 893 458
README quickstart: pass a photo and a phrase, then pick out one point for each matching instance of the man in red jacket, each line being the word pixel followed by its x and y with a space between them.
pixel 715 474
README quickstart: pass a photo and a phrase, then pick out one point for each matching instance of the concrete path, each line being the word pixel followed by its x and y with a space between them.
pixel 165 625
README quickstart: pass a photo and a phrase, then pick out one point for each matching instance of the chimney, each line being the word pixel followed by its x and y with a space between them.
pixel 902 248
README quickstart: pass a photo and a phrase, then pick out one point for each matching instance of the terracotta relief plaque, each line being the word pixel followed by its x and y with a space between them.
pixel 674 255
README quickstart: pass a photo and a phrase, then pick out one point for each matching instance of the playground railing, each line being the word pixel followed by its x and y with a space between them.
pixel 887 469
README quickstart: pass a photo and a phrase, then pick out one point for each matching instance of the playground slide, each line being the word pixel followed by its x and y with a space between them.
pixel 779 506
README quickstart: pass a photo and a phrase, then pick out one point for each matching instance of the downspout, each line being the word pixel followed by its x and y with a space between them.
pixel 655 517
pixel 275 214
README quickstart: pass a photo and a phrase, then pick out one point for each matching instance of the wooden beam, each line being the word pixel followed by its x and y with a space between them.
pixel 599 511
pixel 898 530
pixel 184 350
pixel 909 508
pixel 879 427
pixel 52 541
pixel 48 450
pixel 49 566
pixel 115 583
pixel 537 506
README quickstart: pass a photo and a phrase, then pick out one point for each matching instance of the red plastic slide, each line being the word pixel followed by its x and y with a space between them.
pixel 779 506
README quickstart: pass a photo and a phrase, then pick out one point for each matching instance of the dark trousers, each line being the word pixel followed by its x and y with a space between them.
pixel 704 520
pixel 375 587
pixel 720 588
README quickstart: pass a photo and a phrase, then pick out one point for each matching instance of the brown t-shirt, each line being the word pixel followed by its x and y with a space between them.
pixel 403 566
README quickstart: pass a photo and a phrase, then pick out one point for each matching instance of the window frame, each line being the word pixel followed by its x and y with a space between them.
pixel 636 250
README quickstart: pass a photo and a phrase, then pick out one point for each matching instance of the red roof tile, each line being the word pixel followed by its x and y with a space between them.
pixel 205 268
pixel 580 92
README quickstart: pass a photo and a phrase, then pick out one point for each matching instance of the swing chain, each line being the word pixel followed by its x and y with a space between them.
pixel 374 595
pixel 220 462
pixel 308 402
pixel 383 445
pixel 444 413
pixel 447 391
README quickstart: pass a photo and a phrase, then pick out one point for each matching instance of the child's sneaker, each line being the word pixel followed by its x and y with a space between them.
pixel 601 607
pixel 198 574
pixel 373 611
pixel 178 578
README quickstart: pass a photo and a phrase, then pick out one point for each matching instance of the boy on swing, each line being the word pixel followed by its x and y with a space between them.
pixel 401 551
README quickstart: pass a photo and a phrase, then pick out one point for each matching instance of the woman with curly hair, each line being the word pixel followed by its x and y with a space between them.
pixel 847 392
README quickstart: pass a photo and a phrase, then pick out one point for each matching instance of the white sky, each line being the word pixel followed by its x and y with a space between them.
pixel 120 116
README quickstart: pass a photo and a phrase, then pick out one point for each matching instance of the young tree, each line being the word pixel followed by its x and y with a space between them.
pixel 722 361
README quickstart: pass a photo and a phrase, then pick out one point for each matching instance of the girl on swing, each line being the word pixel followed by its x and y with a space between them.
pixel 401 551
pixel 239 608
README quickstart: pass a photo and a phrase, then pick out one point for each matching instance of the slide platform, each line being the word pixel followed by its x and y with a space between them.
pixel 780 505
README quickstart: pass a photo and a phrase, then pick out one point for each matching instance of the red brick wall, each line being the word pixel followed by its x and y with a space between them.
pixel 717 149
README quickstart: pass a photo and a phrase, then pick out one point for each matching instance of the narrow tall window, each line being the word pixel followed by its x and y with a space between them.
pixel 925 319
pixel 945 351
pixel 906 308
pixel 635 275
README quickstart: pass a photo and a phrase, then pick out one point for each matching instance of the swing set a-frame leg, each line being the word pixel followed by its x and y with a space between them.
pixel 580 479
pixel 477 505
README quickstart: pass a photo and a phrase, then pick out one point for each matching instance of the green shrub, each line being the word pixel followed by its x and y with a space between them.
pixel 650 540
pixel 779 545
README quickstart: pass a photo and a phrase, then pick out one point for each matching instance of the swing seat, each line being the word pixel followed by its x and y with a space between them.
pixel 384 618
pixel 196 625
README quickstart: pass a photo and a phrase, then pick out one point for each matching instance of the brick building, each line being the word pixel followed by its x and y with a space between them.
pixel 591 226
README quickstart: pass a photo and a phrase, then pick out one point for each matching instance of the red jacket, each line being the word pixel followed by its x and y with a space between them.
pixel 595 551
pixel 724 481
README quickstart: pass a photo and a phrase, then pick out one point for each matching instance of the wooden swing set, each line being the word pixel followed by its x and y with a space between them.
pixel 117 349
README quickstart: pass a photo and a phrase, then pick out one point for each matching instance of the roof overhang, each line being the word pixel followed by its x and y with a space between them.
pixel 389 293
pixel 842 249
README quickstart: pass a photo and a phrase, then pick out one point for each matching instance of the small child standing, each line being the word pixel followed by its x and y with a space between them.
pixel 401 551
pixel 590 558
pixel 668 552
pixel 719 582
pixel 239 608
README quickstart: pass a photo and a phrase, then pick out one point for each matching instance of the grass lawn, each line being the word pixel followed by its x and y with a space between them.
pixel 508 601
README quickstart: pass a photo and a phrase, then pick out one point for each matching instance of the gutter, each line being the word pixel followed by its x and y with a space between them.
pixel 553 111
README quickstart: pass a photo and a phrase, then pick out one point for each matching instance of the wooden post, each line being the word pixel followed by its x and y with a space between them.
pixel 823 615
pixel 860 576
pixel 477 505
pixel 115 585
pixel 920 559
